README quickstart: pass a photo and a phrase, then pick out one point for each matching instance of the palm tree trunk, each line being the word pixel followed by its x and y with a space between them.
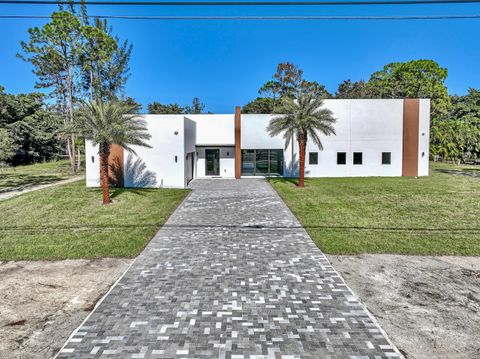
pixel 104 154
pixel 301 173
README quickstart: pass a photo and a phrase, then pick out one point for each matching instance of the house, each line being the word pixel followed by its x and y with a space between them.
pixel 374 137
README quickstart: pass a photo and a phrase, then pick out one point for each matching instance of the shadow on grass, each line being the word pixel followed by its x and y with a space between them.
pixel 291 180
pixel 120 190
pixel 469 172
pixel 11 181
pixel 236 227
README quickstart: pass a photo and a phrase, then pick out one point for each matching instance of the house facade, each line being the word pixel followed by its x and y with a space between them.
pixel 374 137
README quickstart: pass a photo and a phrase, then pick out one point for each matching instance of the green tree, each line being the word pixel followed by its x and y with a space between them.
pixel 304 117
pixel 413 79
pixel 260 105
pixel 196 108
pixel 271 89
pixel 112 71
pixel 98 49
pixel 457 136
pixel 314 88
pixel 7 146
pixel 134 106
pixel 32 128
pixel 352 90
pixel 106 124
pixel 288 77
pixel 54 51
pixel 157 108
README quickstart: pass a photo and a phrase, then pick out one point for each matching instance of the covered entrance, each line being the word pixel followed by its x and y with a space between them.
pixel 212 162
pixel 268 162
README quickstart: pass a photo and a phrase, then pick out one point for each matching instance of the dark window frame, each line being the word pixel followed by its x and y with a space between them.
pixel 389 154
pixel 355 160
pixel 344 162
pixel 315 154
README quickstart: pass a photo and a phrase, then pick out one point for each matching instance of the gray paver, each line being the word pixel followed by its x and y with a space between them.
pixel 231 275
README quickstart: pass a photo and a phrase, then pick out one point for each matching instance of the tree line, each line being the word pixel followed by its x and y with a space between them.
pixel 77 60
pixel 455 120
pixel 74 59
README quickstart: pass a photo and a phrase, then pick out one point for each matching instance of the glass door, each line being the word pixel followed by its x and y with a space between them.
pixel 262 162
pixel 212 162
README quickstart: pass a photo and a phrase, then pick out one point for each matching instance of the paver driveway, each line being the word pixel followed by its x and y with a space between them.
pixel 232 274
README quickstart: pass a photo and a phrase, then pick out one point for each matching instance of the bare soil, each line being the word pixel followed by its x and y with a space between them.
pixel 429 306
pixel 42 302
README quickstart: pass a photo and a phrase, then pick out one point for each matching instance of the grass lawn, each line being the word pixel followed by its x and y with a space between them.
pixel 39 173
pixel 69 221
pixel 439 214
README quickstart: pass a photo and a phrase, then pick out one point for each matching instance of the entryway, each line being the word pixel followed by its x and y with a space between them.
pixel 212 162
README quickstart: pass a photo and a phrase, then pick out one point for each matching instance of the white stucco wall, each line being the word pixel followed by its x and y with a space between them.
pixel 215 129
pixel 190 139
pixel 227 161
pixel 167 143
pixel 367 126
pixel 424 137
pixel 92 165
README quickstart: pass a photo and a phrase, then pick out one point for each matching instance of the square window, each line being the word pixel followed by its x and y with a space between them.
pixel 341 158
pixel 313 158
pixel 386 158
pixel 357 158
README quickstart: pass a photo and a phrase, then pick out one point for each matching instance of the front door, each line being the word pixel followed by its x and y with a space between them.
pixel 212 162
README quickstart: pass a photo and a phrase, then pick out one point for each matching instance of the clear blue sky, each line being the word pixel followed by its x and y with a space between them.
pixel 224 63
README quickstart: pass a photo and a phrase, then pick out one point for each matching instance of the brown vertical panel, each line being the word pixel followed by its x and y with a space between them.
pixel 411 113
pixel 238 144
pixel 115 165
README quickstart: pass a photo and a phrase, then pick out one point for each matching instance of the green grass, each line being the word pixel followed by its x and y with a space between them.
pixel 439 214
pixel 36 174
pixel 69 221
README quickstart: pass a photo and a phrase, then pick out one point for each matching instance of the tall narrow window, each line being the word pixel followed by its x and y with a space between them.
pixel 357 158
pixel 341 158
pixel 386 158
pixel 313 158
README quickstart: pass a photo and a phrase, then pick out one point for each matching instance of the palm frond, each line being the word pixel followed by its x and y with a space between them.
pixel 108 123
pixel 304 117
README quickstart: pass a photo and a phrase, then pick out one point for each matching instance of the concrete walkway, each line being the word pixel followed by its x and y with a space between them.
pixel 231 275
pixel 25 189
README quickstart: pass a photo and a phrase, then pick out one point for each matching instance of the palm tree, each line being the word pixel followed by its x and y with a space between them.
pixel 109 123
pixel 304 117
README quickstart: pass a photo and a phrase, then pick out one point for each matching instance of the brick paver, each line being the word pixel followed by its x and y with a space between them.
pixel 231 275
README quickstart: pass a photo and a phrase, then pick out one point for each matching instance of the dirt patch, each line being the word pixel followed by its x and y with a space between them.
pixel 42 302
pixel 429 306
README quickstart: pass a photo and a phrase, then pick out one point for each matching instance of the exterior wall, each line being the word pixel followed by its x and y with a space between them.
pixel 92 165
pixel 367 126
pixel 214 129
pixel 360 127
pixel 424 138
pixel 227 161
pixel 190 139
pixel 167 141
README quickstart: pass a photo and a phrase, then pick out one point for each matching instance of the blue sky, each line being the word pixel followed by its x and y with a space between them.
pixel 224 63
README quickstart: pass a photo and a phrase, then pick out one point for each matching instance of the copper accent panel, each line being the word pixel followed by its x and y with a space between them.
pixel 115 165
pixel 238 144
pixel 411 113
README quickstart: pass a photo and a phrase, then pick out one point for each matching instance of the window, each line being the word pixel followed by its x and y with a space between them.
pixel 313 158
pixel 341 158
pixel 262 162
pixel 386 158
pixel 357 158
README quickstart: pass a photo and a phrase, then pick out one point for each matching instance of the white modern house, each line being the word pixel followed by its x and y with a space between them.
pixel 373 138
